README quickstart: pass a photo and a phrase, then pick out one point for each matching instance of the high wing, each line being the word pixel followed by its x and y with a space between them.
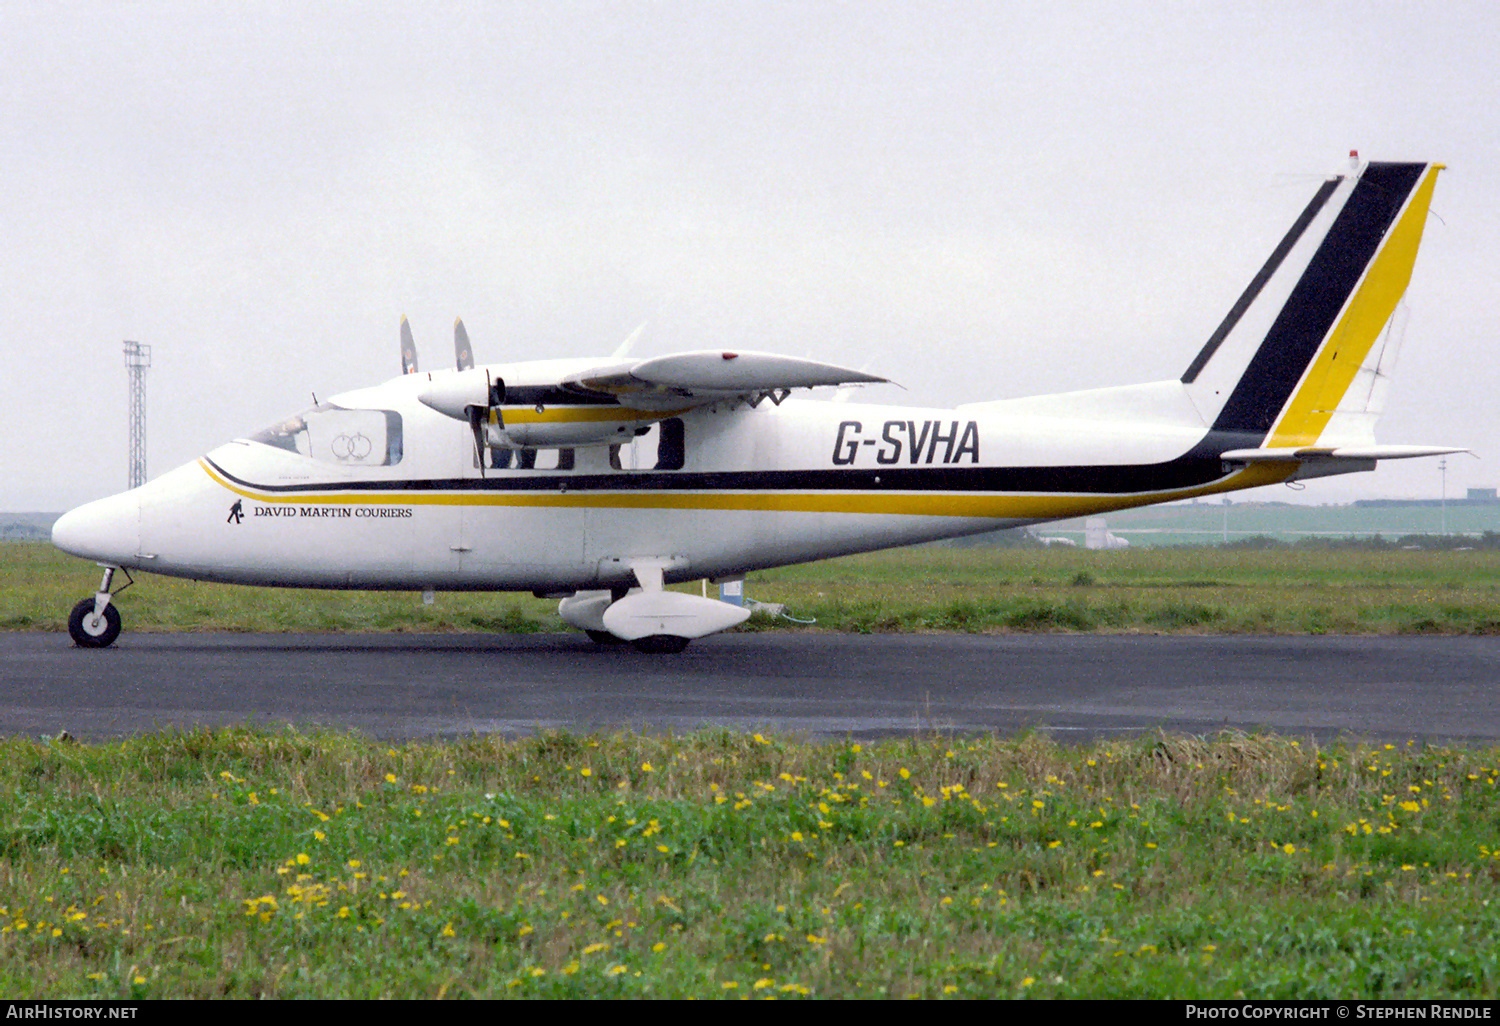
pixel 707 376
pixel 594 402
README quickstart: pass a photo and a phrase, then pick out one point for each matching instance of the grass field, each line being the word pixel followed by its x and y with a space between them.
pixel 243 864
pixel 1199 590
pixel 240 863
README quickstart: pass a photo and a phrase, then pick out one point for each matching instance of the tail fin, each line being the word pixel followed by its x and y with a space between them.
pixel 1300 359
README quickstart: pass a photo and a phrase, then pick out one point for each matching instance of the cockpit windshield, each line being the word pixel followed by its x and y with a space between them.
pixel 333 434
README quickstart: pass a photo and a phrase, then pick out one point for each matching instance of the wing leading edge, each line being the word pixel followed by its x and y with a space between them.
pixel 550 403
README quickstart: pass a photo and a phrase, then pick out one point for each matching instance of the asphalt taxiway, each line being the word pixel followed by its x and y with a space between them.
pixel 812 684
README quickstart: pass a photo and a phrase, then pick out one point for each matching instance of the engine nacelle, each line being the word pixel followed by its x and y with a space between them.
pixel 559 427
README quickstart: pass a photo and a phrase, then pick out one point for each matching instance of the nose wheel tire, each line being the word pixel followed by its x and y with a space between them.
pixel 90 631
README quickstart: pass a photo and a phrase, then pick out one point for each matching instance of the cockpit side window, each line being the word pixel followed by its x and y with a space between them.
pixel 332 434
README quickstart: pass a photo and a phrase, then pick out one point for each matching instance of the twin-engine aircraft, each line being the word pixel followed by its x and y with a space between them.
pixel 601 481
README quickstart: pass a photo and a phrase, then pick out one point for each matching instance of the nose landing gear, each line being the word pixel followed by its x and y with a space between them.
pixel 95 622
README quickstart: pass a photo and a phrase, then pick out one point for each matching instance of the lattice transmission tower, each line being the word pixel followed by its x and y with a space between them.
pixel 137 359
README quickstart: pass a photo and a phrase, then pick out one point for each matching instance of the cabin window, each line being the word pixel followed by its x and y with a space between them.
pixel 662 446
pixel 531 459
pixel 333 434
pixel 546 459
pixel 671 451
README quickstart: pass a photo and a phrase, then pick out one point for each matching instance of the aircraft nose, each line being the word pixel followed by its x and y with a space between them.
pixel 106 530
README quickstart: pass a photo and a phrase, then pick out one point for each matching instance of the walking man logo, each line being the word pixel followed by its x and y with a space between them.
pixel 236 512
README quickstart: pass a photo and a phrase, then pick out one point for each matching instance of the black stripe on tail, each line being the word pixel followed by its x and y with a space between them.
pixel 1259 281
pixel 1335 270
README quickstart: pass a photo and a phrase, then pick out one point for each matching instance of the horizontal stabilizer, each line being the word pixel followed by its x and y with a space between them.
pixel 1347 452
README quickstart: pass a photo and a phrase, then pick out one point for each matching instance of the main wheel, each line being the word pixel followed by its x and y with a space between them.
pixel 660 644
pixel 89 631
pixel 604 638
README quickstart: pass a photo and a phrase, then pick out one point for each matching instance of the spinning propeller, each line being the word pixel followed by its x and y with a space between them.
pixel 408 349
pixel 463 353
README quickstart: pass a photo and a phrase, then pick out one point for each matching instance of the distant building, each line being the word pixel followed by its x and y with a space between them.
pixel 1476 497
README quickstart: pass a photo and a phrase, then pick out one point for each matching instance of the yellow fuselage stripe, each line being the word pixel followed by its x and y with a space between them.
pixel 988 505
pixel 511 415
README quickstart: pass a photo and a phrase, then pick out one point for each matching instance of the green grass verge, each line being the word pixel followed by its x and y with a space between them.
pixel 238 863
pixel 1284 591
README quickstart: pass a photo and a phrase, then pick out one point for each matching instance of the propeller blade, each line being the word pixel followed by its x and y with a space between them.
pixel 479 415
pixel 624 347
pixel 476 425
pixel 461 348
pixel 408 349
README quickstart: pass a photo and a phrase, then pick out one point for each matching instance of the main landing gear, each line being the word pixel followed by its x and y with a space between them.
pixel 652 644
pixel 661 644
pixel 95 622
pixel 649 618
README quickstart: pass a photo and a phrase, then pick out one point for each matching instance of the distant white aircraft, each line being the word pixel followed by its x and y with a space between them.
pixel 600 481
pixel 1097 535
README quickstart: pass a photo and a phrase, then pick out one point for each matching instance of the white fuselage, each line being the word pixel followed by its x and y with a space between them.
pixel 589 478
pixel 757 487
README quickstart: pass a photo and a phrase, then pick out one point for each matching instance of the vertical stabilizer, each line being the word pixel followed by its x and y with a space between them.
pixel 1302 357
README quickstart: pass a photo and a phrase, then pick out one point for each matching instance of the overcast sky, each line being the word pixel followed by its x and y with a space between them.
pixel 979 200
